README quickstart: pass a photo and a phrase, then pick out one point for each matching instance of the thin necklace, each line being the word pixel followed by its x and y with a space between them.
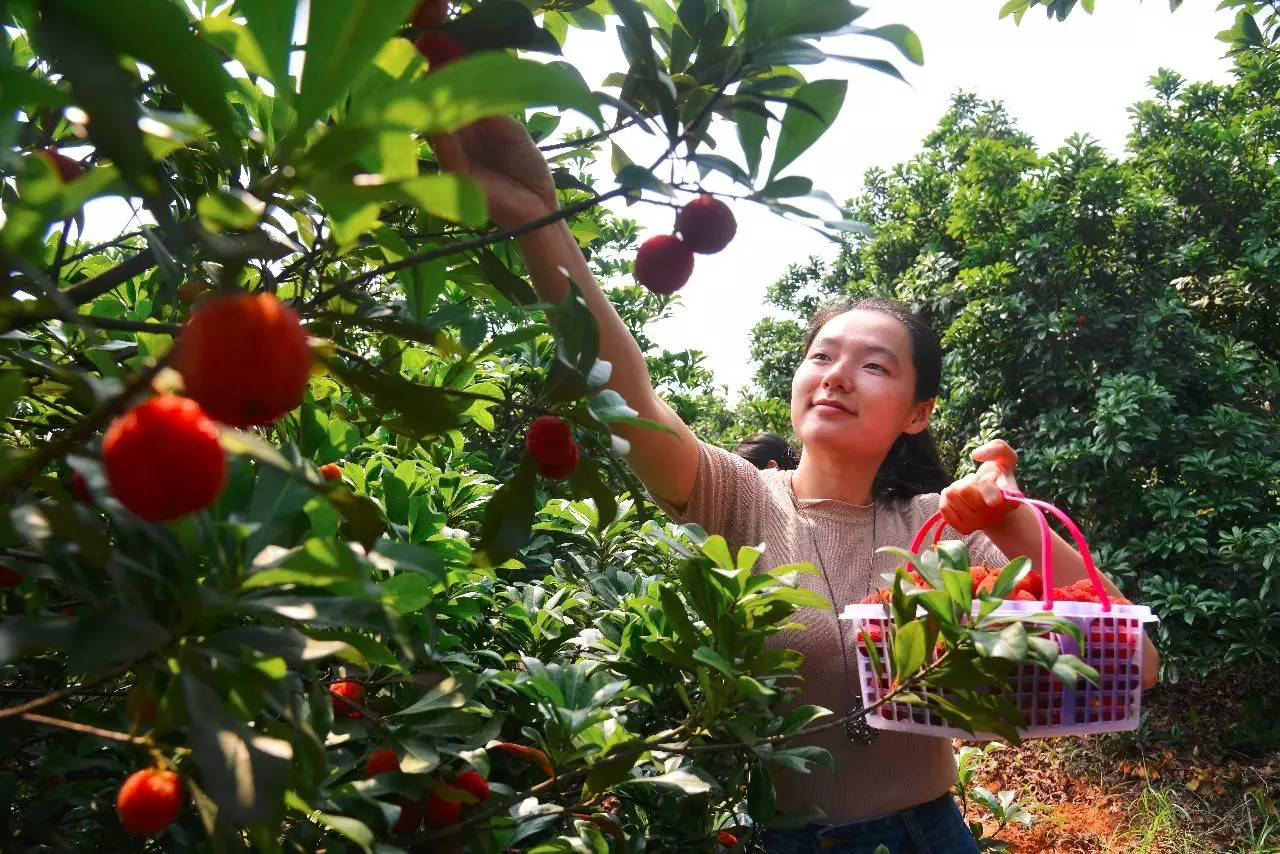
pixel 857 730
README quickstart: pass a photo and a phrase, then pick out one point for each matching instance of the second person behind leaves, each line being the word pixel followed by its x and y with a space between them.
pixel 868 476
pixel 768 451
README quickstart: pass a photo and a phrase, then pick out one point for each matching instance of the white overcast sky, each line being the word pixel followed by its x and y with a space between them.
pixel 1055 79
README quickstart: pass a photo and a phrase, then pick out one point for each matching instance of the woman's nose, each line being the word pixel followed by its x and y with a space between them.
pixel 838 377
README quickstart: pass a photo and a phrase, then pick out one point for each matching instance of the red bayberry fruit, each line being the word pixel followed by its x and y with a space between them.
pixel 441 813
pixel 872 634
pixel 429 14
pixel 189 292
pixel 552 446
pixel 410 816
pixel 8 577
pixel 706 225
pixel 68 170
pixel 244 358
pixel 977 575
pixel 331 471
pixel 726 838
pixel 663 264
pixel 351 690
pixel 149 801
pixel 80 488
pixel 439 49
pixel 1081 320
pixel 1022 596
pixel 1030 583
pixel 380 762
pixel 472 783
pixel 163 459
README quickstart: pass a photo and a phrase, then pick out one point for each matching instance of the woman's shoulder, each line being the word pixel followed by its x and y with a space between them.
pixel 918 508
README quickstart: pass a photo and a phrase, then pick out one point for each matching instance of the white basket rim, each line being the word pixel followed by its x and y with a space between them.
pixel 1141 613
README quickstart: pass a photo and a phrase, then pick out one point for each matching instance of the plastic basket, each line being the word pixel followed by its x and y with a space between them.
pixel 1048 707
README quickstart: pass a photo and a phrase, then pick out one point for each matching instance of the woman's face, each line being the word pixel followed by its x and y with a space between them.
pixel 854 393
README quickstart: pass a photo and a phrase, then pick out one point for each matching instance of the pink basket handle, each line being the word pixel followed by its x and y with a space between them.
pixel 1046 544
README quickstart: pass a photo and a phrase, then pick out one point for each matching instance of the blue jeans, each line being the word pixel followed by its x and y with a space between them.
pixel 933 828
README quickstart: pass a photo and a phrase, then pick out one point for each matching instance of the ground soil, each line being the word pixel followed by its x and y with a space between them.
pixel 1201 774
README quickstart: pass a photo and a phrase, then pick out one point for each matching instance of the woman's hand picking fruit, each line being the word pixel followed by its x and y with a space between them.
pixel 974 502
pixel 499 153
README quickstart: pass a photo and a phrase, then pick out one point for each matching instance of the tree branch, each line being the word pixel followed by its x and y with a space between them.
pixel 141 741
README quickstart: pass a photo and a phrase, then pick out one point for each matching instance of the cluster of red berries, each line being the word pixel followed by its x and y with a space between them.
pixel 444 803
pixel 438 47
pixel 551 444
pixel 1029 588
pixel 244 361
pixel 664 262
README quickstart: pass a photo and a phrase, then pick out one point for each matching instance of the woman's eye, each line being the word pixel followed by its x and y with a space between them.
pixel 822 356
pixel 877 366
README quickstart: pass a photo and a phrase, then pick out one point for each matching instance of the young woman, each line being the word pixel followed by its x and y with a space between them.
pixel 868 476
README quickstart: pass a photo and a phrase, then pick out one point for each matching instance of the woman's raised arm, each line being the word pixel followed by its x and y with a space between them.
pixel 498 153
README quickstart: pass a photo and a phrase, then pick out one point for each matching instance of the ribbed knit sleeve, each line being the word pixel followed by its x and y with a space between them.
pixel 729 498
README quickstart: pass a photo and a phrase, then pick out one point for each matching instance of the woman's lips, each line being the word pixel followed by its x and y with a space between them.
pixel 831 405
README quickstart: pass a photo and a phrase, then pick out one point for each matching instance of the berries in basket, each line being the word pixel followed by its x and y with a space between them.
pixel 968 651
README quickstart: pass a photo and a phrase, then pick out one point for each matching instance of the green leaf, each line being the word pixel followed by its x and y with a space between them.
pixel 1013 571
pixel 158 33
pixel 271 23
pixel 18 88
pixel 806 121
pixel 587 481
pixel 343 36
pixel 487 84
pixel 424 410
pixel 954 554
pixel 105 91
pixel 908 650
pixel 355 830
pixel 501 25
pixel 901 37
pixel 409 591
pixel 1010 644
pixel 689 781
pixel 222 210
pixel 450 693
pixel 768 20
pixel 959 586
pixel 710 657
pixel 244 771
pixel 508 517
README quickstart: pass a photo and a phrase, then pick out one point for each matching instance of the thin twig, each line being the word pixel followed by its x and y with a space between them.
pixel 60 694
pixel 141 741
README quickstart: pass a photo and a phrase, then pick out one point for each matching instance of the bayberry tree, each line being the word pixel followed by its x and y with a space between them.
pixel 315 533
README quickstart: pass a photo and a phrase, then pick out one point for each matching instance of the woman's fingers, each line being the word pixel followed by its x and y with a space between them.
pixel 449 152
pixel 997 451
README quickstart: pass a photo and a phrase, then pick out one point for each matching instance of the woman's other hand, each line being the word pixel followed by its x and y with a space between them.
pixel 974 502
pixel 499 154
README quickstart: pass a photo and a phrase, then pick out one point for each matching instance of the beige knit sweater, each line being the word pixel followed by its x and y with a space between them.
pixel 749 507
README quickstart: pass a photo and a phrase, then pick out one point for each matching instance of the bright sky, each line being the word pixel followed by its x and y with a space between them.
pixel 1055 79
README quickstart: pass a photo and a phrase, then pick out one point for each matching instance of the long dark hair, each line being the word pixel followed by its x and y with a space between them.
pixel 912 466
